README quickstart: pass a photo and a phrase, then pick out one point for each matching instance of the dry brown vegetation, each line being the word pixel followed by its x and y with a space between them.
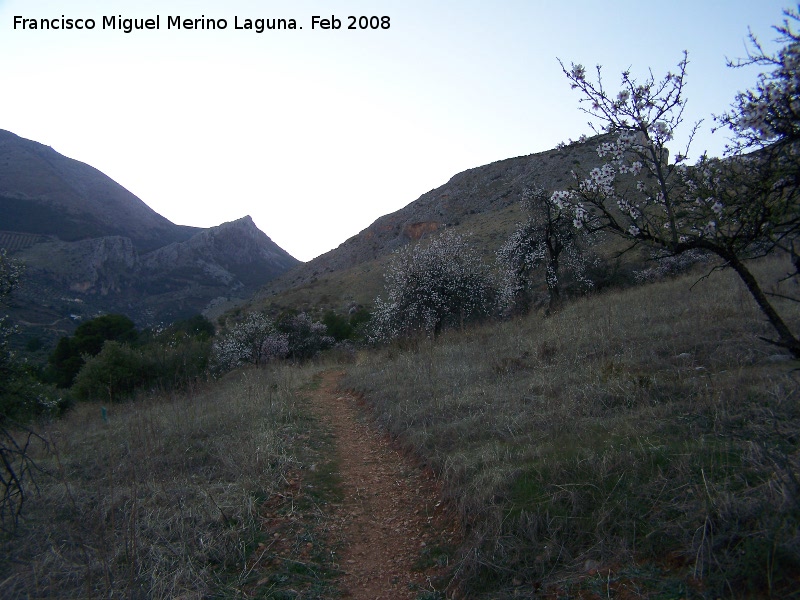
pixel 642 441
pixel 166 498
pixel 637 443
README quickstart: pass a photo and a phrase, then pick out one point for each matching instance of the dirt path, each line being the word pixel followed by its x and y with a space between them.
pixel 394 536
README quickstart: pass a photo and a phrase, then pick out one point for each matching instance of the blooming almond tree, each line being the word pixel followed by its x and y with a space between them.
pixel 254 340
pixel 766 119
pixel 738 208
pixel 769 114
pixel 304 337
pixel 546 238
pixel 430 286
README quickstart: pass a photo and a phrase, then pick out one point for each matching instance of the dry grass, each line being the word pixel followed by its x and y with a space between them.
pixel 165 499
pixel 640 442
pixel 646 438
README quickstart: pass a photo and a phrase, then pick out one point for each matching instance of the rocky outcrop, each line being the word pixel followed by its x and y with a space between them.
pixel 238 247
pixel 183 278
pixel 415 231
pixel 102 265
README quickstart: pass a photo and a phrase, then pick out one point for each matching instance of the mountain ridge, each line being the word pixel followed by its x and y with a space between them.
pixel 42 191
pixel 483 201
pixel 90 246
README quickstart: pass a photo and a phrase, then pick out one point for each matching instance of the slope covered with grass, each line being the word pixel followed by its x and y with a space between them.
pixel 643 440
pixel 640 441
pixel 173 496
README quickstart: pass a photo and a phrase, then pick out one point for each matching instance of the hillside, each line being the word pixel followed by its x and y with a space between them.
pixel 44 192
pixel 640 443
pixel 483 202
pixel 90 246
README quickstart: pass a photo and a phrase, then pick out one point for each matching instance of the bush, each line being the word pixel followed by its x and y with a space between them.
pixel 350 328
pixel 68 357
pixel 338 326
pixel 119 369
pixel 115 372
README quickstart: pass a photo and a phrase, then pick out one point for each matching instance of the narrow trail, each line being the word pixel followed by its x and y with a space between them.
pixel 395 538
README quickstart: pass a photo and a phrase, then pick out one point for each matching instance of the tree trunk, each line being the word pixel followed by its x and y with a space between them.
pixel 786 338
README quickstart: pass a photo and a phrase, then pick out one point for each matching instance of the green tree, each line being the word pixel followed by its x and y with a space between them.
pixel 339 326
pixel 116 371
pixel 197 326
pixel 69 355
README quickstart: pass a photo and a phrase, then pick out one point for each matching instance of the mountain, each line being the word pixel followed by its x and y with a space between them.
pixel 483 202
pixel 90 246
pixel 44 192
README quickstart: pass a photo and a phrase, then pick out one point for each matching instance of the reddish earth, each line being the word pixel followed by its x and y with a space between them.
pixel 395 537
pixel 415 231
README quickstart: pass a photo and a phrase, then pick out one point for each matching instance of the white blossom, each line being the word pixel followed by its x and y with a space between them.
pixel 432 285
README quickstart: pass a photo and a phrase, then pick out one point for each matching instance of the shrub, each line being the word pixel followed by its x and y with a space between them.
pixel 68 357
pixel 115 372
pixel 338 326
pixel 305 337
pixel 347 328
pixel 119 370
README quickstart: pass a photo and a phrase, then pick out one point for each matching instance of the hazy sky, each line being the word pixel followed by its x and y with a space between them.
pixel 315 133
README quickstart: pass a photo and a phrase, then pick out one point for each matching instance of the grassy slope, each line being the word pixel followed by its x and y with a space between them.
pixel 361 283
pixel 642 440
pixel 195 496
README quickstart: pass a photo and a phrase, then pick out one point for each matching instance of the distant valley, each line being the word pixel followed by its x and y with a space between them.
pixel 90 246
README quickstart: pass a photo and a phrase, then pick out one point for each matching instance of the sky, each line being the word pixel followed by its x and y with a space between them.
pixel 316 132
